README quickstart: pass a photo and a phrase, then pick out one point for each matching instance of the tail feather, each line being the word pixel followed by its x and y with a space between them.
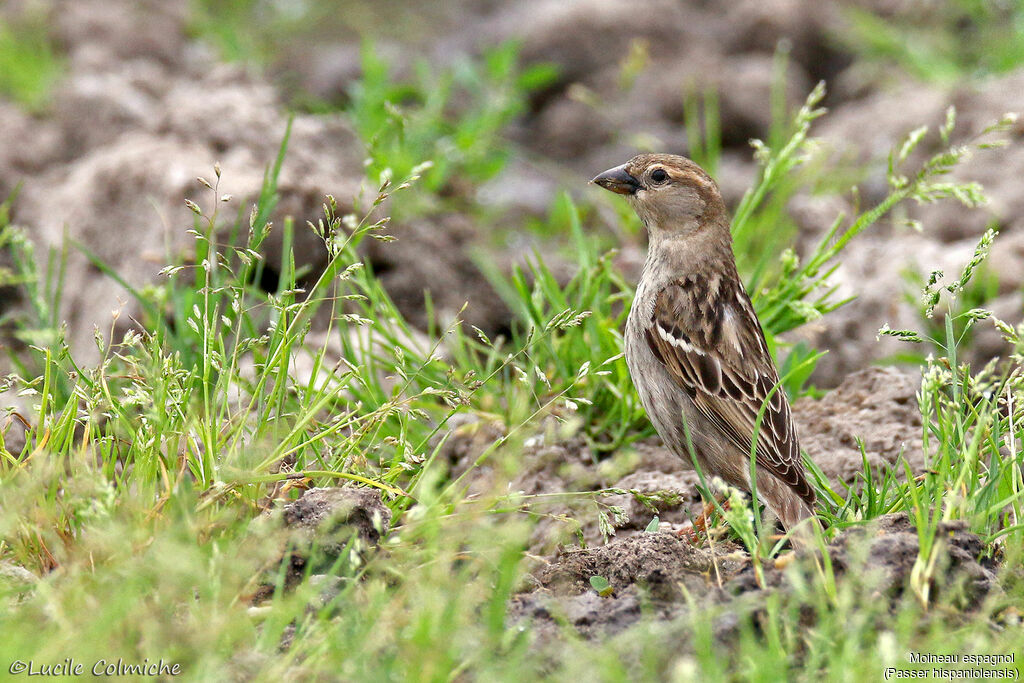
pixel 792 509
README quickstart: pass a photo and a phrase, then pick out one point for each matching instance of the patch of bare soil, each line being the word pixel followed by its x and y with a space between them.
pixel 889 546
pixel 323 527
pixel 647 573
pixel 876 408
pixel 659 576
pixel 664 562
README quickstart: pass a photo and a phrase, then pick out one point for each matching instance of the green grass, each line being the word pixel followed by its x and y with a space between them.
pixel 30 65
pixel 139 497
pixel 404 123
pixel 947 42
pixel 255 31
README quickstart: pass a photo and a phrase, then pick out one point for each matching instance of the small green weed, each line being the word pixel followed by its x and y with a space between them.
pixel 455 117
pixel 30 65
pixel 945 42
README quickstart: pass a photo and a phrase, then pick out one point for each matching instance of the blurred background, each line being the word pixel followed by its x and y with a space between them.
pixel 110 109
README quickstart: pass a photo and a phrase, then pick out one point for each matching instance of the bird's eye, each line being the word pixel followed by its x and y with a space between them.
pixel 659 175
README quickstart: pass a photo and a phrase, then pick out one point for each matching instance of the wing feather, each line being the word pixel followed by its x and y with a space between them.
pixel 706 334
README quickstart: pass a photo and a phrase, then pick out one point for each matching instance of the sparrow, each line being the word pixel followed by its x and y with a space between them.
pixel 694 345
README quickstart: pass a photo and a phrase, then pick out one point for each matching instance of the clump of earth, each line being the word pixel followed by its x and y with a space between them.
pixel 660 575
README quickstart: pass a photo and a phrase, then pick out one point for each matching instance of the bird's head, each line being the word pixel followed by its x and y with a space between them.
pixel 672 195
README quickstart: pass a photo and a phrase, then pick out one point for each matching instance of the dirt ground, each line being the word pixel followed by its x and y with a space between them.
pixel 655 575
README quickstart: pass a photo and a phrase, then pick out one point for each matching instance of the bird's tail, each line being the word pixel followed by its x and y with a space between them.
pixel 795 512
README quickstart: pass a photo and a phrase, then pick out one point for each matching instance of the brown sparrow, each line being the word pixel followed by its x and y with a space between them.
pixel 694 346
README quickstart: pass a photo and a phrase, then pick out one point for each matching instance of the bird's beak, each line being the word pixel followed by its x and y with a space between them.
pixel 617 180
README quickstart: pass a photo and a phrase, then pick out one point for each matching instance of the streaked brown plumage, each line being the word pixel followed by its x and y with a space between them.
pixel 694 345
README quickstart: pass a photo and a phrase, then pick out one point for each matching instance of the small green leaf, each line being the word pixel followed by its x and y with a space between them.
pixel 601 585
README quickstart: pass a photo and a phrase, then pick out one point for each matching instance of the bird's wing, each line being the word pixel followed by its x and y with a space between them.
pixel 706 334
